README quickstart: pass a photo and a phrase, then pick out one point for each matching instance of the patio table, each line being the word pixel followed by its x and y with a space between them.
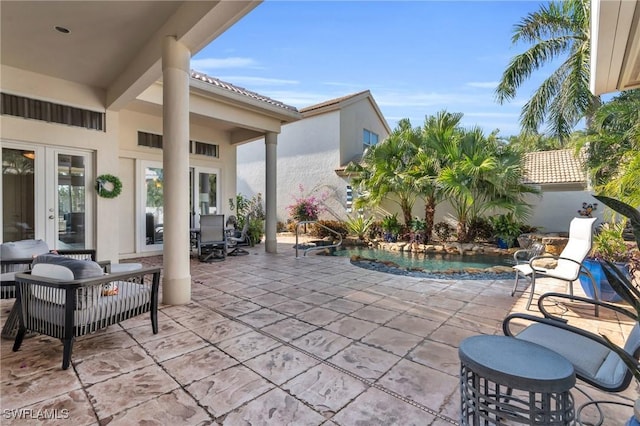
pixel 504 380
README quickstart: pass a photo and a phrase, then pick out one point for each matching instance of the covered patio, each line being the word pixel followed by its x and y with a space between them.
pixel 271 339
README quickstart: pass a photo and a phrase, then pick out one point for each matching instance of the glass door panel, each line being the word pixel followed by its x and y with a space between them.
pixel 71 218
pixel 154 206
pixel 206 194
pixel 18 194
pixel 44 195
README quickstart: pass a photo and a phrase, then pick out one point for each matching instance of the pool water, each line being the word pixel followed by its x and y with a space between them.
pixel 429 262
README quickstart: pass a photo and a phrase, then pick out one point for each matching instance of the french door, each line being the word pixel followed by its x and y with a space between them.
pixel 204 198
pixel 47 194
pixel 204 192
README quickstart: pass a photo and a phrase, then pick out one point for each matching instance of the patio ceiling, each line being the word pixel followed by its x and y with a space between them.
pixel 111 45
pixel 615 50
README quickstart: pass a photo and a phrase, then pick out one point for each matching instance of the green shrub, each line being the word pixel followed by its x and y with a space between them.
pixel 480 229
pixel 443 231
pixel 359 226
pixel 320 232
pixel 506 228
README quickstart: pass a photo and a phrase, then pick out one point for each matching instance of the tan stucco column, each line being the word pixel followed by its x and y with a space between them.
pixel 176 285
pixel 271 196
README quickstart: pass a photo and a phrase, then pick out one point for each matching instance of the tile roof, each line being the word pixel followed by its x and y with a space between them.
pixel 240 90
pixel 331 102
pixel 559 166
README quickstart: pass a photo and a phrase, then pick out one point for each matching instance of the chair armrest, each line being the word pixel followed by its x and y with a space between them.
pixel 549 256
pixel 597 303
pixel 5 263
pixel 506 328
pixel 87 282
pixel 518 253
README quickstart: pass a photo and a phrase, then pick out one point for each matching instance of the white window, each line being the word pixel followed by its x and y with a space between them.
pixel 369 138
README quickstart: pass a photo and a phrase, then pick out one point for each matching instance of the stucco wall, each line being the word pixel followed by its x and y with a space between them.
pixel 103 144
pixel 307 155
pixel 309 152
pixel 353 119
pixel 551 212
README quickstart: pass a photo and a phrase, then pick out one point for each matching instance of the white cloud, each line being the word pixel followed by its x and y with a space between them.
pixel 483 84
pixel 207 64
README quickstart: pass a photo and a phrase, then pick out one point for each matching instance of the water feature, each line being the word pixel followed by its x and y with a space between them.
pixel 439 265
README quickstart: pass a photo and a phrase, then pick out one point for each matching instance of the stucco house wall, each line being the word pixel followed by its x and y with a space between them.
pixel 311 150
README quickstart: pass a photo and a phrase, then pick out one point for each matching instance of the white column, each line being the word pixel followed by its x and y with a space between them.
pixel 271 199
pixel 176 285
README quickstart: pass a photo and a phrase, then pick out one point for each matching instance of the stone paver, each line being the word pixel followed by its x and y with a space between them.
pixel 270 339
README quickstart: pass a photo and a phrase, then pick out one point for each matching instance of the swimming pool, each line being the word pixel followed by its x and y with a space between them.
pixel 429 263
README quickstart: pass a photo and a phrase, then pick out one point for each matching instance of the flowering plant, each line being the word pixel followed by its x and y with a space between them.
pixel 306 208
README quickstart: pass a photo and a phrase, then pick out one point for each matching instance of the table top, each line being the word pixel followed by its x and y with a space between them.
pixel 517 363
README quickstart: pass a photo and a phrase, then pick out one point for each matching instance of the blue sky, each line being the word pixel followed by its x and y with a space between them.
pixel 416 57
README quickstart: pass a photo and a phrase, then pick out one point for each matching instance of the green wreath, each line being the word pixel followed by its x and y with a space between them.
pixel 108 186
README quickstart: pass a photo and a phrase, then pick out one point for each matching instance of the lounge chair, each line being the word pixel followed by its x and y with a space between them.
pixel 568 264
pixel 67 298
pixel 212 241
pixel 594 361
pixel 16 257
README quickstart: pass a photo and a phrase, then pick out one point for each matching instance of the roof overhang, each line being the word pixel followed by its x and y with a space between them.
pixel 115 46
pixel 615 45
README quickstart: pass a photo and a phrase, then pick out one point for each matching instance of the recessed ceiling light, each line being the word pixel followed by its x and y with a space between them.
pixel 62 30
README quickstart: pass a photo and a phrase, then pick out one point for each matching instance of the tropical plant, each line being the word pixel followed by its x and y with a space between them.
pixel 391 227
pixel 480 229
pixel 608 243
pixel 359 226
pixel 322 231
pixel 532 142
pixel 443 231
pixel 621 283
pixel 613 147
pixel 480 175
pixel 382 172
pixel 438 132
pixel 306 207
pixel 418 229
pixel 251 209
pixel 506 228
pixel 560 29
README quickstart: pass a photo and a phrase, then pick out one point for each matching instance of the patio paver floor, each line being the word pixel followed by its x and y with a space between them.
pixel 271 339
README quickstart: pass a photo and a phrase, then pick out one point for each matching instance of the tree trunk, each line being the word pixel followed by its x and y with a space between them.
pixel 406 212
pixel 429 214
pixel 462 231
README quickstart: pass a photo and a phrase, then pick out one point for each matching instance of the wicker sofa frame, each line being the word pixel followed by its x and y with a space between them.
pixel 70 309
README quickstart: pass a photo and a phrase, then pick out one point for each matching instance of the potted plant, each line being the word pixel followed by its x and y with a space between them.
pixel 506 229
pixel 608 244
pixel 625 287
pixel 391 228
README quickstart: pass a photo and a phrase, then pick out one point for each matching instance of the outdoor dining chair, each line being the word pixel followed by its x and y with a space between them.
pixel 212 240
pixel 568 264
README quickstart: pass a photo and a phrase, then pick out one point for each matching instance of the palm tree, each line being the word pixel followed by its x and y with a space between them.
pixel 382 172
pixel 613 146
pixel 482 175
pixel 559 29
pixel 437 132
